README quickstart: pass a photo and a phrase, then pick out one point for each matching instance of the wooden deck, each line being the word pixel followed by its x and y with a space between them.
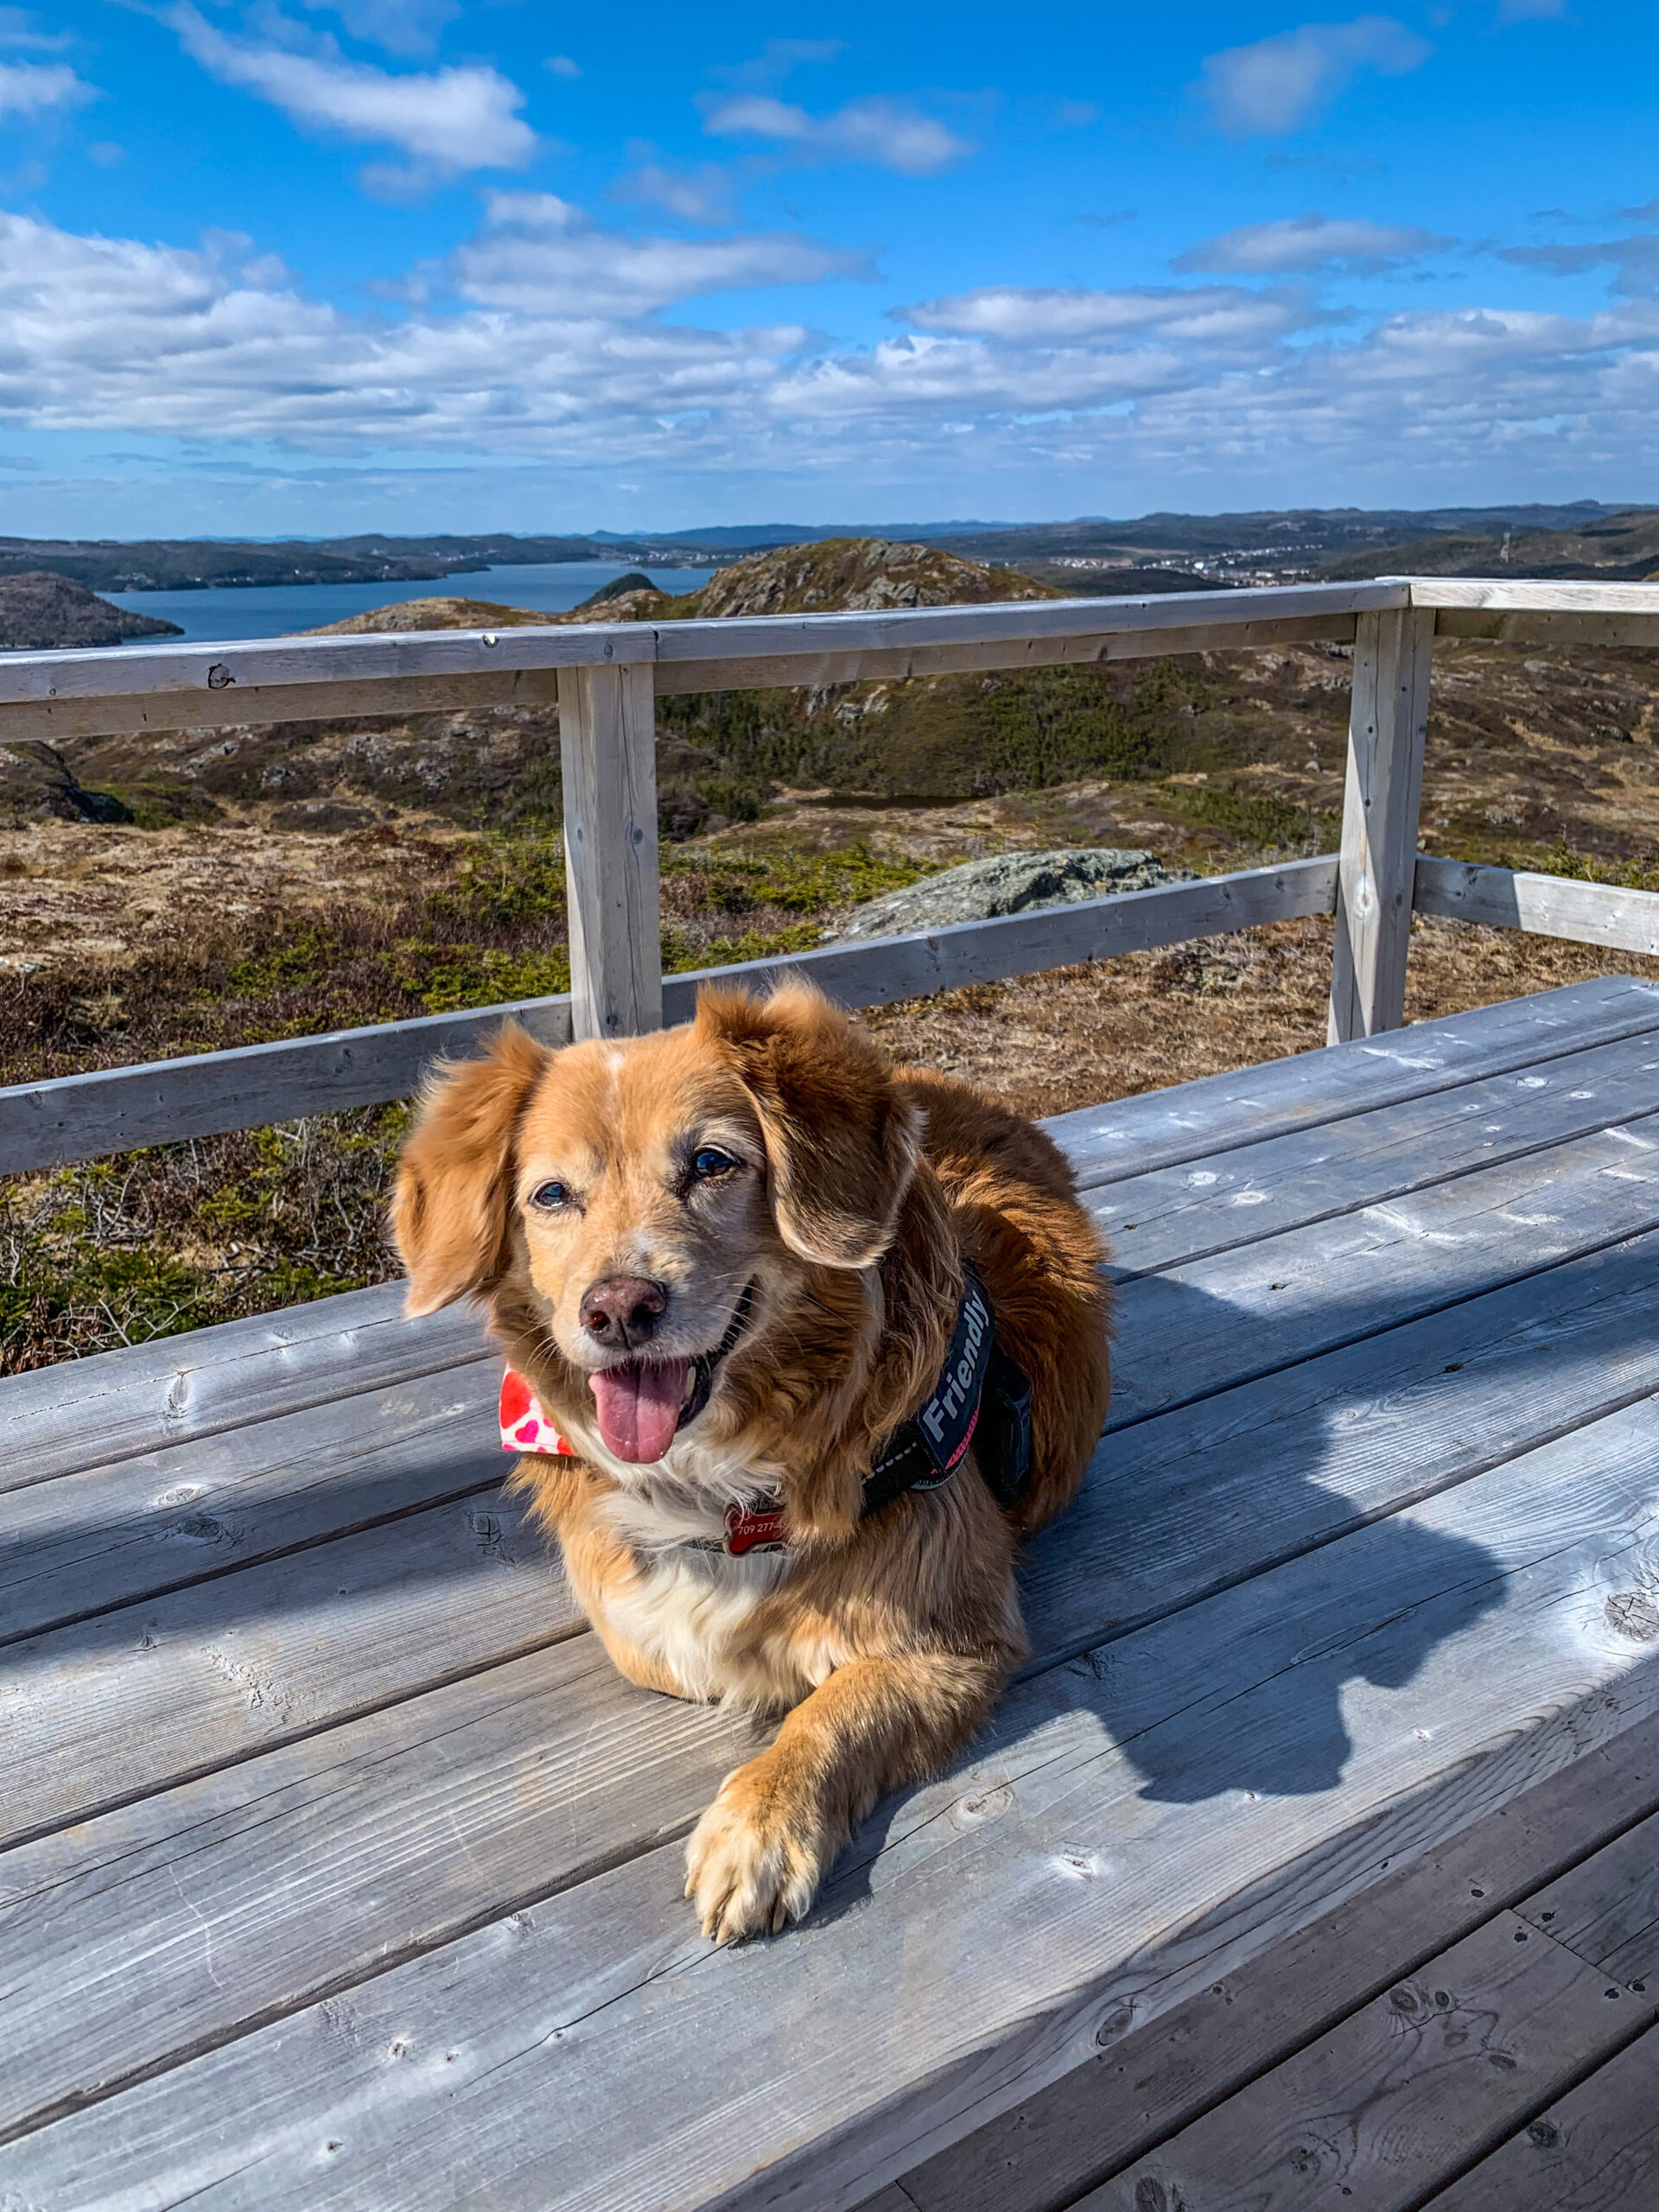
pixel 1310 1863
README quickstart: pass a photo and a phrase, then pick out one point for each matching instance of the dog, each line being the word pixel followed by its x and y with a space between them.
pixel 816 1343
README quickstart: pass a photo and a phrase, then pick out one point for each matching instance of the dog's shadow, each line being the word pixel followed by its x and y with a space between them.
pixel 1211 1600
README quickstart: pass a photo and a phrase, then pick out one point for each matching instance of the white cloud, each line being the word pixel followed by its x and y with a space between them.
pixel 702 195
pixel 446 120
pixel 891 133
pixel 538 255
pixel 550 360
pixel 1635 260
pixel 561 64
pixel 398 26
pixel 19 31
pixel 1280 83
pixel 1306 244
pixel 1202 315
pixel 32 88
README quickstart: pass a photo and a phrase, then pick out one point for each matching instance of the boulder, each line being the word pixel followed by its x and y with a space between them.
pixel 38 785
pixel 1009 883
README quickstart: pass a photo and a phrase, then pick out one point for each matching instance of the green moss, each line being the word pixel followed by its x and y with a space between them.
pixel 1261 819
pixel 801 883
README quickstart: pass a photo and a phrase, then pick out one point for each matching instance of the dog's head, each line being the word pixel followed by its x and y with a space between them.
pixel 655 1199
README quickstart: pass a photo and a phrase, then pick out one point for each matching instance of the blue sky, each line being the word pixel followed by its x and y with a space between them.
pixel 277 265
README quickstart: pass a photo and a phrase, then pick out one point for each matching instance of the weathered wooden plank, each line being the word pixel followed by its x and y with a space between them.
pixel 1425 2078
pixel 61 720
pixel 1258 1307
pixel 1253 1191
pixel 1146 2086
pixel 203 1094
pixel 183 1874
pixel 1639 630
pixel 113 1535
pixel 1202 631
pixel 1548 905
pixel 1594 2150
pixel 1189 1501
pixel 1125 1832
pixel 86 1413
pixel 607 743
pixel 1608 1912
pixel 1158 1128
pixel 148 1694
pixel 1405 2094
pixel 77 1117
pixel 219 674
pixel 1387 725
pixel 1535 594
pixel 1432 2074
pixel 157 1930
pixel 206 685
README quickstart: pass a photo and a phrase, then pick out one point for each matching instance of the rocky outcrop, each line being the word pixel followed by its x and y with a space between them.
pixel 37 785
pixel 847 575
pixel 43 613
pixel 1009 883
pixel 431 614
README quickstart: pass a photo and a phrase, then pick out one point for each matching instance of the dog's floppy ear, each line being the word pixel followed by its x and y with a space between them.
pixel 842 1144
pixel 450 1206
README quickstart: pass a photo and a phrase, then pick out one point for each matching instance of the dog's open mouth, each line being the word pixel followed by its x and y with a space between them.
pixel 643 1404
pixel 639 1405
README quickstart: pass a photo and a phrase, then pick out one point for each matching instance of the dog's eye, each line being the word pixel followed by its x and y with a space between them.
pixel 708 1160
pixel 548 1198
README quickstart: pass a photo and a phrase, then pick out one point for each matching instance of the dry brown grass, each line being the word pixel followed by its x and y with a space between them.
pixel 1082 1036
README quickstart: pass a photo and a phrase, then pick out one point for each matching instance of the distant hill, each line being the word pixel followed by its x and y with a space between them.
pixel 41 612
pixel 186 564
pixel 1242 547
pixel 1619 548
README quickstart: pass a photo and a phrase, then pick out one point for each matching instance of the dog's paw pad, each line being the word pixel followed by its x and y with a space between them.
pixel 752 1864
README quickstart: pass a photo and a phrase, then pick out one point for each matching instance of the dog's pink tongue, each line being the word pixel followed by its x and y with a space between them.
pixel 640 1406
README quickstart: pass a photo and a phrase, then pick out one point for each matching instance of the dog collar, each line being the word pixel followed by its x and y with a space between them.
pixel 980 1391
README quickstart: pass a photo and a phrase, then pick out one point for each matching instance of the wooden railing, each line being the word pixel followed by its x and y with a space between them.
pixel 605 677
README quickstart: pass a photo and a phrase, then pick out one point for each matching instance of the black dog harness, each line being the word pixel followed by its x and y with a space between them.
pixel 981 1398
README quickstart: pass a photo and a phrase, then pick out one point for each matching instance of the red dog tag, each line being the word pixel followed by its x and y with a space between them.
pixel 525 1426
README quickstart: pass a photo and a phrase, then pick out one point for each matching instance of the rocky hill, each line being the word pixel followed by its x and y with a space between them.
pixel 1616 548
pixel 41 612
pixel 1239 752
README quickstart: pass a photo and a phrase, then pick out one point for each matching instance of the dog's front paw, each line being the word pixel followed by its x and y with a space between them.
pixel 756 1857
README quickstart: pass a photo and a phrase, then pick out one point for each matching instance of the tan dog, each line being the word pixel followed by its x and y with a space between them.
pixel 729 1259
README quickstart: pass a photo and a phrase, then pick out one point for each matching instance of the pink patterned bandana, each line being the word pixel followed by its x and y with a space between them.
pixel 525 1426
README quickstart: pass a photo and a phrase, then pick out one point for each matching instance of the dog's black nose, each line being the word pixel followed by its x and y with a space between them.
pixel 622 1309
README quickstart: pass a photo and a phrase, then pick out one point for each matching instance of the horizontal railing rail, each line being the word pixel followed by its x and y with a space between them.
pixel 604 677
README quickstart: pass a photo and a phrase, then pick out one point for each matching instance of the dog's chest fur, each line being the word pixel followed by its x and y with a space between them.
pixel 690 1611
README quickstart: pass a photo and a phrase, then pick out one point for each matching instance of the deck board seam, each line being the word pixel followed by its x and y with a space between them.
pixel 1378 1197
pixel 301 1544
pixel 1367 1336
pixel 1511 1901
pixel 82 1814
pixel 1640 2024
pixel 1103 1179
pixel 388 1961
pixel 303 1405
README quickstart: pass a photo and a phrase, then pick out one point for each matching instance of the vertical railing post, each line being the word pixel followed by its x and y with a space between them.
pixel 607 744
pixel 1388 723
